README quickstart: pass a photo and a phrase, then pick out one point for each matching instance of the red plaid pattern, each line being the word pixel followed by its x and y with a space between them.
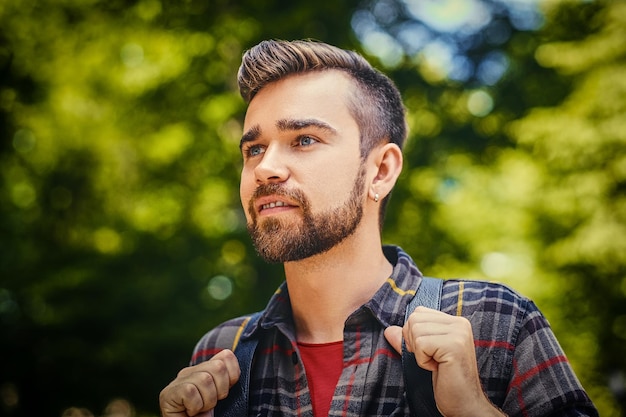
pixel 522 367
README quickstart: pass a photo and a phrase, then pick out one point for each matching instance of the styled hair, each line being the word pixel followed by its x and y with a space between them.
pixel 375 102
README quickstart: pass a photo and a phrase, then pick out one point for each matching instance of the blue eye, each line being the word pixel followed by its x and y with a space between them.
pixel 306 141
pixel 254 150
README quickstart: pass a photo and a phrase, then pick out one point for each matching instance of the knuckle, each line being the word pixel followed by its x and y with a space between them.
pixel 219 367
pixel 417 342
pixel 178 397
pixel 465 325
pixel 182 373
pixel 228 354
pixel 206 379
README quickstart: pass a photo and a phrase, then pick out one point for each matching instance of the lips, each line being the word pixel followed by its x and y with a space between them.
pixel 271 202
pixel 274 198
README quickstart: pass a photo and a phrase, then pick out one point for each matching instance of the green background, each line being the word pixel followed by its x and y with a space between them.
pixel 122 239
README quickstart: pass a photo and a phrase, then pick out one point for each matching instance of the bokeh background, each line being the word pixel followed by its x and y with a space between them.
pixel 122 239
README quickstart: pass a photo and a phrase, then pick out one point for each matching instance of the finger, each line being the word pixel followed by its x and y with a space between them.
pixel 190 395
pixel 393 334
pixel 421 332
pixel 226 355
pixel 217 380
pixel 444 340
pixel 223 367
pixel 180 399
pixel 232 365
pixel 224 372
pixel 198 388
pixel 416 342
pixel 428 315
pixel 425 354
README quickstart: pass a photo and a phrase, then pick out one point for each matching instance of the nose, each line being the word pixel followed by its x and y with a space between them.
pixel 272 167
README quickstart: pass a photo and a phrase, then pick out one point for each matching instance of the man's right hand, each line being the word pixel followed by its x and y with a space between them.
pixel 197 388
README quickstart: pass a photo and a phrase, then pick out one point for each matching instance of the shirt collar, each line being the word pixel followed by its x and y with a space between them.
pixel 387 305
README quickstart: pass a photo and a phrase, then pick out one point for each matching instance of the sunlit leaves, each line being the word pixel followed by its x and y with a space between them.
pixel 598 49
pixel 166 145
pixel 213 209
pixel 122 230
pixel 522 181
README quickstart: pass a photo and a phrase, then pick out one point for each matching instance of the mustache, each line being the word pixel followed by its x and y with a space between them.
pixel 279 190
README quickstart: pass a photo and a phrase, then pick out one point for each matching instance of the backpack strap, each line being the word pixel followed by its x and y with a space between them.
pixel 418 382
pixel 236 404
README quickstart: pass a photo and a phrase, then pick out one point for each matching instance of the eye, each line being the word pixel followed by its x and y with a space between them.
pixel 306 141
pixel 253 150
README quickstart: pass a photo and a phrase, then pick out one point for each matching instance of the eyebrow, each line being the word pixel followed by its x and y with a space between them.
pixel 250 136
pixel 286 125
pixel 298 124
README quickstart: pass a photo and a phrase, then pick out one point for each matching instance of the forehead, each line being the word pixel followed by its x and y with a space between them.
pixel 321 94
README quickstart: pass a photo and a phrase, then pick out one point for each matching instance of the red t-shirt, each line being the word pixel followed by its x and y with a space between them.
pixel 323 364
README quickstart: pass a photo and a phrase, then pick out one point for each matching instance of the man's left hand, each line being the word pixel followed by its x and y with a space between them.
pixel 444 344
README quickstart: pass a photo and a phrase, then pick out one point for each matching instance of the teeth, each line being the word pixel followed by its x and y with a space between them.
pixel 274 204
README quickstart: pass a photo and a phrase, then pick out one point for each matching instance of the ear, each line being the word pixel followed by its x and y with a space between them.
pixel 386 162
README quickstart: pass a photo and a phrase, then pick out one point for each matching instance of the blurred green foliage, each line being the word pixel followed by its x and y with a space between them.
pixel 121 234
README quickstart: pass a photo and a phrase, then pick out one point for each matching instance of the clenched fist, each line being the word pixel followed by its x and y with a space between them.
pixel 444 344
pixel 197 389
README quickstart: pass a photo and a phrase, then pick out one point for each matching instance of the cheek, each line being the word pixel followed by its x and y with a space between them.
pixel 330 189
pixel 341 175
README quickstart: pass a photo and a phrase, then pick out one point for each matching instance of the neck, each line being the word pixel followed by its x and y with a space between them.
pixel 326 288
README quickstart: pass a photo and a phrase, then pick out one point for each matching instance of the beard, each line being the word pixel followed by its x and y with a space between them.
pixel 277 240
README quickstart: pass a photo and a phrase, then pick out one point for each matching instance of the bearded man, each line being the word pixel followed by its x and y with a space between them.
pixel 321 149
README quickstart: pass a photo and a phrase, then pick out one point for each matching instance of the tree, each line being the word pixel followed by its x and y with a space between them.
pixel 521 180
pixel 122 236
pixel 579 200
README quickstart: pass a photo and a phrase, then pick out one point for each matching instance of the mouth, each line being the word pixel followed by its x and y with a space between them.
pixel 272 205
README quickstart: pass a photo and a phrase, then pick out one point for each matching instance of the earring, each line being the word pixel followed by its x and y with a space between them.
pixel 376 197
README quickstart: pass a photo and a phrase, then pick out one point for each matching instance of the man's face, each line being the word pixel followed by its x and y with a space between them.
pixel 302 183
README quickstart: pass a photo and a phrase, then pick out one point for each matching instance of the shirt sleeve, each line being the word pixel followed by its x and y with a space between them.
pixel 219 338
pixel 521 365
pixel 542 381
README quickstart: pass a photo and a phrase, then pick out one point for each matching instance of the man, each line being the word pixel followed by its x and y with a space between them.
pixel 321 151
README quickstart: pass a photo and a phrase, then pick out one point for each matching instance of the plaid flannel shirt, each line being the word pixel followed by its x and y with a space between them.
pixel 522 367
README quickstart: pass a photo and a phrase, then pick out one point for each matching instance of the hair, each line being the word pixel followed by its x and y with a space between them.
pixel 375 103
